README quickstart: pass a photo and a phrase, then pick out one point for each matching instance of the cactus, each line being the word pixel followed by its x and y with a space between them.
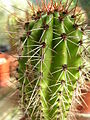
pixel 51 61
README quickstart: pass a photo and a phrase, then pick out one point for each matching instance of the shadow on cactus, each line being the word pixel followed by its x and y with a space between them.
pixel 51 61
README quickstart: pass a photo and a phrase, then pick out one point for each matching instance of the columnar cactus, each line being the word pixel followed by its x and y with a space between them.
pixel 51 60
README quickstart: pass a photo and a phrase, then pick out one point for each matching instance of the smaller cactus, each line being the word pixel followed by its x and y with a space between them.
pixel 50 65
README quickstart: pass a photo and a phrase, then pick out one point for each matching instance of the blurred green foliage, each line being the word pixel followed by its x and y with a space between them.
pixel 86 6
pixel 3 35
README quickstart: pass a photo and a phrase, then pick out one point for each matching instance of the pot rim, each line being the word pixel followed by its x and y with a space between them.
pixel 84 115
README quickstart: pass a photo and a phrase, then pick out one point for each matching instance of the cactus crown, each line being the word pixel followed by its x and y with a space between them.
pixel 51 61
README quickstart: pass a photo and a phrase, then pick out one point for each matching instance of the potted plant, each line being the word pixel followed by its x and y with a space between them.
pixel 4 66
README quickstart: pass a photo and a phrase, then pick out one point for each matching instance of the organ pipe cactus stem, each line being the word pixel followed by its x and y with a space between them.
pixel 51 60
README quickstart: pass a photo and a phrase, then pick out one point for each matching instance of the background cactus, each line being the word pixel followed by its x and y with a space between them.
pixel 50 64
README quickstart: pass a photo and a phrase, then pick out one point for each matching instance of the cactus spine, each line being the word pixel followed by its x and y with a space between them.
pixel 51 61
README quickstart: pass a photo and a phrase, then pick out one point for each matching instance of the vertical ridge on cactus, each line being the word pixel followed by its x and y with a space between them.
pixel 51 60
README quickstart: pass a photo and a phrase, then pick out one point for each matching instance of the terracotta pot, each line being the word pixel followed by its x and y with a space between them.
pixel 84 109
pixel 4 70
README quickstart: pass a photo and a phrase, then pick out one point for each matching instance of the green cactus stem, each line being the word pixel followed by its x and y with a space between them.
pixel 51 61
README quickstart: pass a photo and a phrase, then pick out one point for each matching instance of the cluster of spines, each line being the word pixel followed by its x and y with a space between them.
pixel 49 99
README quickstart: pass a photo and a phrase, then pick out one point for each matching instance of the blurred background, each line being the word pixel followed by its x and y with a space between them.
pixel 9 9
